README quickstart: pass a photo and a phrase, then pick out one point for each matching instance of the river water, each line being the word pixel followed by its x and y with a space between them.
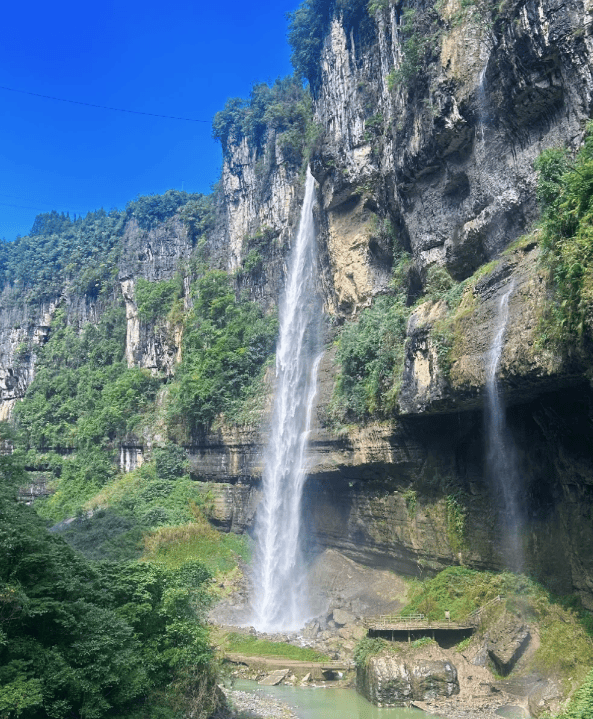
pixel 327 702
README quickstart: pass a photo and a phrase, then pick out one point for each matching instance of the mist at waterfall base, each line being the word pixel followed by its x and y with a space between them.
pixel 501 456
pixel 279 595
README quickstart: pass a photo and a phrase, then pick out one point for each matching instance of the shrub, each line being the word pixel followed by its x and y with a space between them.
pixel 565 193
pixel 150 210
pixel 285 107
pixel 371 355
pixel 155 299
pixel 225 346
pixel 581 704
pixel 307 27
pixel 367 648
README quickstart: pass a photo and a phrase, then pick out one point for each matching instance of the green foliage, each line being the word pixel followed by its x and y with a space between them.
pixel 367 648
pixel 155 299
pixel 252 646
pixel 225 346
pixel 373 127
pixel 375 5
pixel 61 251
pixel 565 648
pixel 174 545
pixel 307 27
pixel 415 43
pixel 150 210
pixel 254 247
pixel 411 499
pixel 422 642
pixel 565 193
pixel 83 394
pixel 438 283
pixel 463 644
pixel 170 462
pixel 285 107
pixel 581 704
pixel 461 591
pixel 440 286
pixel 456 515
pixel 198 215
pixel 253 262
pixel 80 476
pixel 90 641
pixel 105 534
pixel 82 253
pixel 371 355
pixel 155 512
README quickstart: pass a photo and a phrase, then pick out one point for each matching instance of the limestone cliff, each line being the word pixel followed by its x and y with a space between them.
pixel 433 120
pixel 428 127
pixel 442 164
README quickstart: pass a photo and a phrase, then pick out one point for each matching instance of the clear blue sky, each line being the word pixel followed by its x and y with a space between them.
pixel 170 58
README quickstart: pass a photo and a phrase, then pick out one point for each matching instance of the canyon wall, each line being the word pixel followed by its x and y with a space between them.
pixel 436 160
pixel 443 168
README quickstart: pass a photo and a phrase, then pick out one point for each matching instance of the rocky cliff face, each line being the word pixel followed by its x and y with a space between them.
pixel 262 192
pixel 154 255
pixel 443 166
pixel 435 158
pixel 439 135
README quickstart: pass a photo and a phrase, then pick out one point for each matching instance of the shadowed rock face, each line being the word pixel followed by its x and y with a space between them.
pixel 448 155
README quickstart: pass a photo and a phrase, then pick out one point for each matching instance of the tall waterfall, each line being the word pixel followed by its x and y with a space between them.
pixel 502 459
pixel 279 598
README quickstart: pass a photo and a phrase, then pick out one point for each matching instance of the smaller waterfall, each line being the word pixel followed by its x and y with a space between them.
pixel 502 459
pixel 280 598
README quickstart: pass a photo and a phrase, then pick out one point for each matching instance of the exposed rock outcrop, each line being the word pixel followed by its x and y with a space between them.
pixel 390 679
pixel 447 152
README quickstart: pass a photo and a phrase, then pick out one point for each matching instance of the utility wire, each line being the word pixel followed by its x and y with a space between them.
pixel 23 207
pixel 101 107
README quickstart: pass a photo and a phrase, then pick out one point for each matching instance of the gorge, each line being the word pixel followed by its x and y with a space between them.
pixel 450 204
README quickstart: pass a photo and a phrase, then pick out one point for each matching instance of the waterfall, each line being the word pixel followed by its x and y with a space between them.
pixel 502 459
pixel 279 597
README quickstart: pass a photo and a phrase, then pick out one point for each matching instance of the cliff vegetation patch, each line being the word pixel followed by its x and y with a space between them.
pixel 284 107
pixel 565 193
pixel 226 343
pixel 565 642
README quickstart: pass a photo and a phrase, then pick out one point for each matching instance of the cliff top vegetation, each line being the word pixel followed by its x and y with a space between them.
pixel 83 252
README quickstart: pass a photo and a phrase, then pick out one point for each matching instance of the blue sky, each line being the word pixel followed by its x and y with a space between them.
pixel 170 58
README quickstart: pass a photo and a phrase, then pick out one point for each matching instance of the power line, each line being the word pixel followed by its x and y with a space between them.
pixel 22 207
pixel 102 107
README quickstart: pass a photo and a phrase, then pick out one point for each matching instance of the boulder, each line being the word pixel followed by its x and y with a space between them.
pixel 385 681
pixel 508 641
pixel 432 679
pixel 341 617
pixel 311 630
pixel 389 680
pixel 546 698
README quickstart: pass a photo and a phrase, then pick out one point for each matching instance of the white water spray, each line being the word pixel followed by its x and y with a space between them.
pixel 502 459
pixel 280 595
